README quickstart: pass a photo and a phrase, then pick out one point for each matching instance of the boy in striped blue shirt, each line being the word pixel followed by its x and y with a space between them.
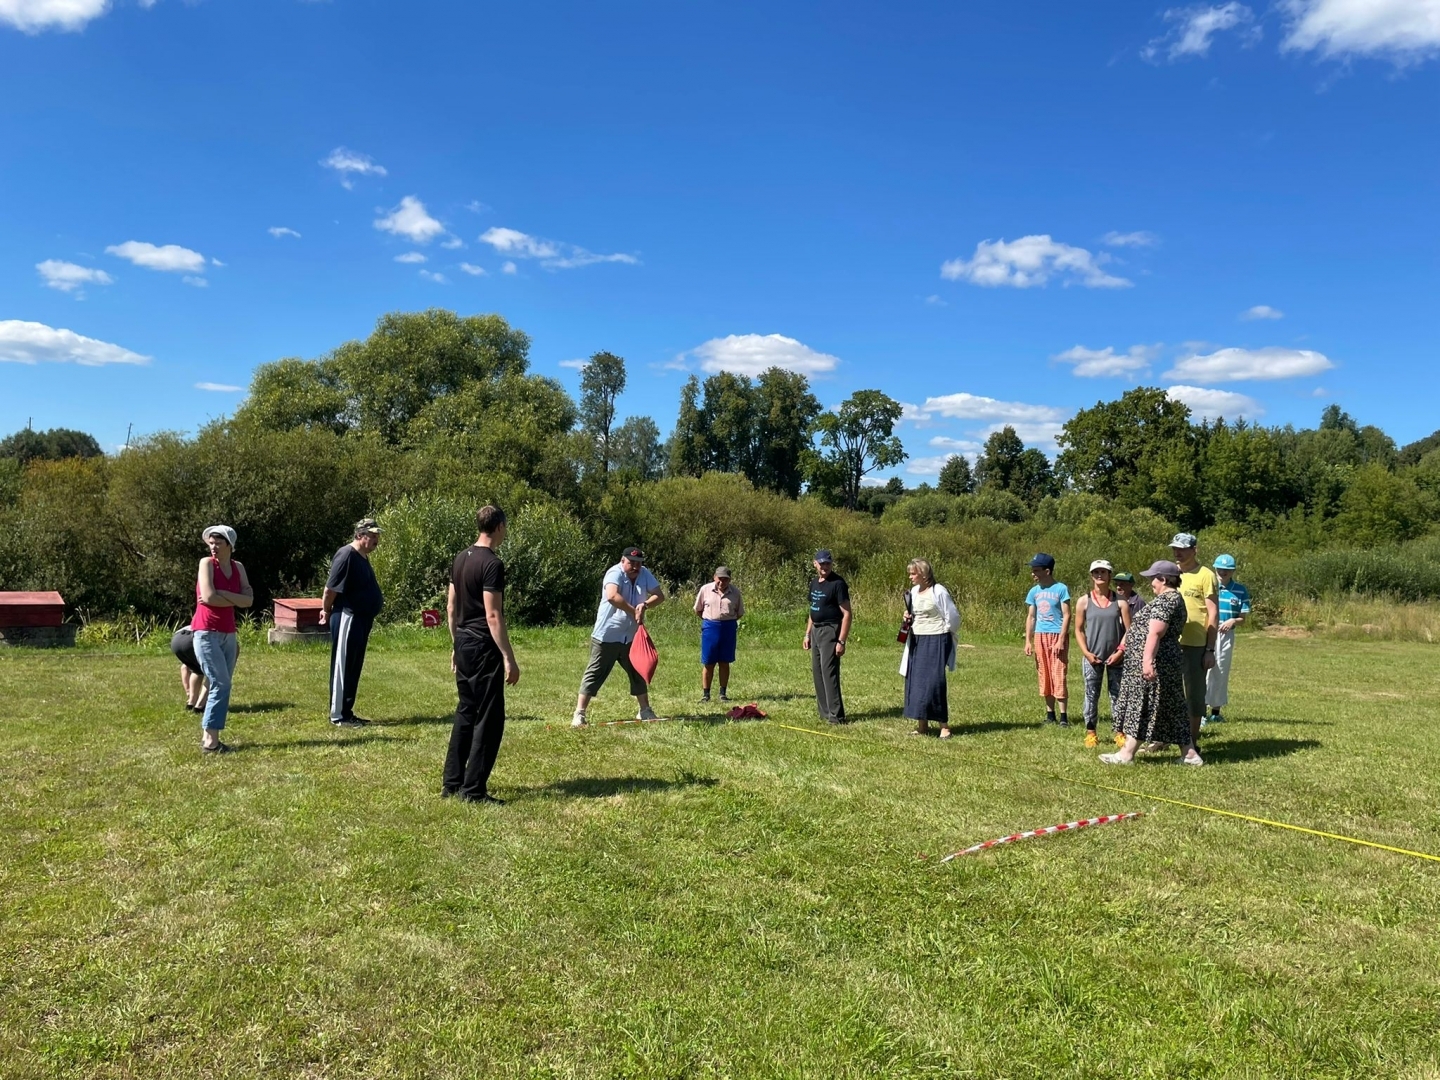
pixel 1234 604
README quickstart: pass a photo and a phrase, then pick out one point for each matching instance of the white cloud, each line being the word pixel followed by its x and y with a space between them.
pixel 509 268
pixel 218 388
pixel 1099 363
pixel 1130 239
pixel 1195 28
pixel 411 221
pixel 1210 404
pixel 574 365
pixel 927 466
pixel 33 16
pixel 1238 365
pixel 976 407
pixel 1319 391
pixel 967 447
pixel 198 282
pixel 935 301
pixel 1402 30
pixel 912 413
pixel 69 277
pixel 1031 260
pixel 278 231
pixel 1262 311
pixel 410 257
pixel 453 244
pixel 33 343
pixel 216 262
pixel 438 279
pixel 552 254
pixel 472 269
pixel 171 258
pixel 750 354
pixel 349 164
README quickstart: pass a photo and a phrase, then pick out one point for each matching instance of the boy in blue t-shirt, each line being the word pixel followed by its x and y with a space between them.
pixel 1234 608
pixel 1047 634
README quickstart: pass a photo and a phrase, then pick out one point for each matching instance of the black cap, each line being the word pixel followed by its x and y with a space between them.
pixel 1043 562
pixel 823 556
pixel 633 553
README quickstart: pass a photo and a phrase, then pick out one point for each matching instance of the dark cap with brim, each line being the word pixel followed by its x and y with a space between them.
pixel 1043 562
pixel 1124 575
pixel 824 556
pixel 633 553
pixel 1161 568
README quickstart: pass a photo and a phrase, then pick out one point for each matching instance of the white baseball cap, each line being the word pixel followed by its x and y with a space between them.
pixel 1101 564
pixel 224 530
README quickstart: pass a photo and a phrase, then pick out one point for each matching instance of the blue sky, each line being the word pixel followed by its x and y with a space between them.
pixel 993 212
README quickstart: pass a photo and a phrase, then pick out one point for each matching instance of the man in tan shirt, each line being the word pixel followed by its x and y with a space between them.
pixel 719 606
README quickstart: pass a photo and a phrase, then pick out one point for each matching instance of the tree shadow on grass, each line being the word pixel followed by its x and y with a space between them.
pixel 408 721
pixel 305 744
pixel 262 706
pixel 602 787
pixel 959 727
pixel 1234 751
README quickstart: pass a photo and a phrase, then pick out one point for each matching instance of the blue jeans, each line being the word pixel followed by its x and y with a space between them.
pixel 217 653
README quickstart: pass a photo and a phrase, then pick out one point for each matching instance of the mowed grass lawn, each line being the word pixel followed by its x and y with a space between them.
pixel 701 898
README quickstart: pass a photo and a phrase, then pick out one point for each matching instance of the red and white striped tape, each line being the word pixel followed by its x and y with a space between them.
pixel 1069 826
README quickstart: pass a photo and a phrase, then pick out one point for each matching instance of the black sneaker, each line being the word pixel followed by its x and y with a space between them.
pixel 486 798
pixel 1064 722
pixel 705 697
pixel 724 696
pixel 352 722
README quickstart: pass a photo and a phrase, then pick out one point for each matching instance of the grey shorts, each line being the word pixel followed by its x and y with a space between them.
pixel 604 655
pixel 1193 659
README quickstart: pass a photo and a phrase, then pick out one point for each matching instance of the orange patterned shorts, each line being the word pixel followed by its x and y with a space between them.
pixel 1049 665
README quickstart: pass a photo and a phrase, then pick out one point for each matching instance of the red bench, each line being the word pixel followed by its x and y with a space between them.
pixel 34 618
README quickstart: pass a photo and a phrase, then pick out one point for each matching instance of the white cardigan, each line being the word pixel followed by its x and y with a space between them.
pixel 948 611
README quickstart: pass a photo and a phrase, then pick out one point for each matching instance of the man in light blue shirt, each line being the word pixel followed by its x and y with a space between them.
pixel 626 593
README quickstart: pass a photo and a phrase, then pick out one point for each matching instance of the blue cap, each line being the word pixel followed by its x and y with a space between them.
pixel 823 556
pixel 1184 540
pixel 1043 562
pixel 1224 562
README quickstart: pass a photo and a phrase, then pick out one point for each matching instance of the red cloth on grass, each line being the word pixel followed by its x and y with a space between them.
pixel 643 655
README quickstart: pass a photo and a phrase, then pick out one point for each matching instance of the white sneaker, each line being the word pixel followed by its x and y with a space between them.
pixel 578 720
pixel 1192 759
pixel 646 713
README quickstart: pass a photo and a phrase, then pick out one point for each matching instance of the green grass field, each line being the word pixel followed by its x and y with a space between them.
pixel 699 898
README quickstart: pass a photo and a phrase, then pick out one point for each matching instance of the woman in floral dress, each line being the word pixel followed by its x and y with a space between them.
pixel 1152 708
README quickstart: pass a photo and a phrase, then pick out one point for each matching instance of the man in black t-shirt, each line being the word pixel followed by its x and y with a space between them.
pixel 826 632
pixel 482 660
pixel 352 600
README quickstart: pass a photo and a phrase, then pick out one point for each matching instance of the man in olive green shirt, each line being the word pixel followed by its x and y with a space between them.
pixel 1201 590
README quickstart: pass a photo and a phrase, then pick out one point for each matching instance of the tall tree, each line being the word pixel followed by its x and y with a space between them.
pixel 729 423
pixel 54 444
pixel 602 381
pixel 858 439
pixel 1116 448
pixel 376 387
pixel 685 452
pixel 637 449
pixel 999 462
pixel 785 409
pixel 956 477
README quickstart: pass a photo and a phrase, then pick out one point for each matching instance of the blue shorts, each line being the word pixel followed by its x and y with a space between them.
pixel 717 641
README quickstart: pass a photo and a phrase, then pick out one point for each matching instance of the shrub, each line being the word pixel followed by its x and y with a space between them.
pixel 552 570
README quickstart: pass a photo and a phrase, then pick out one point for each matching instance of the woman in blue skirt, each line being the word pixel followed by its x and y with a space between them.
pixel 932 620
pixel 719 606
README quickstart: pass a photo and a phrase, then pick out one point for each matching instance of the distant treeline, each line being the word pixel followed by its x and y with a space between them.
pixel 434 414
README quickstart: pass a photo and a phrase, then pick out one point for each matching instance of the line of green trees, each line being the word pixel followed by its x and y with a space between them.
pixel 434 413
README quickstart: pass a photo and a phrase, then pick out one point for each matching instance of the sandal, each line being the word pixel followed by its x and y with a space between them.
pixel 1115 759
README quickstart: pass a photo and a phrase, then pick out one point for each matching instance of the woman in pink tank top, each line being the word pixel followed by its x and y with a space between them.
pixel 221 586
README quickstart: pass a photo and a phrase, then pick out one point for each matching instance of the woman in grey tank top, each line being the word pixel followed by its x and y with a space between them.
pixel 1101 621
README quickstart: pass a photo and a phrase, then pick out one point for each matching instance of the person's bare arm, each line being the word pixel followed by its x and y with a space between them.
pixel 1029 630
pixel 1081 606
pixel 495 618
pixel 1152 642
pixel 615 599
pixel 246 596
pixel 1212 622
pixel 452 615
pixel 739 605
pixel 845 619
pixel 809 628
pixel 327 604
pixel 700 603
pixel 1125 622
pixel 209 595
pixel 1063 652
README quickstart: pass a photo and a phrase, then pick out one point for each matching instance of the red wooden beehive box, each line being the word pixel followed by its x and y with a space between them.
pixel 300 613
pixel 23 610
